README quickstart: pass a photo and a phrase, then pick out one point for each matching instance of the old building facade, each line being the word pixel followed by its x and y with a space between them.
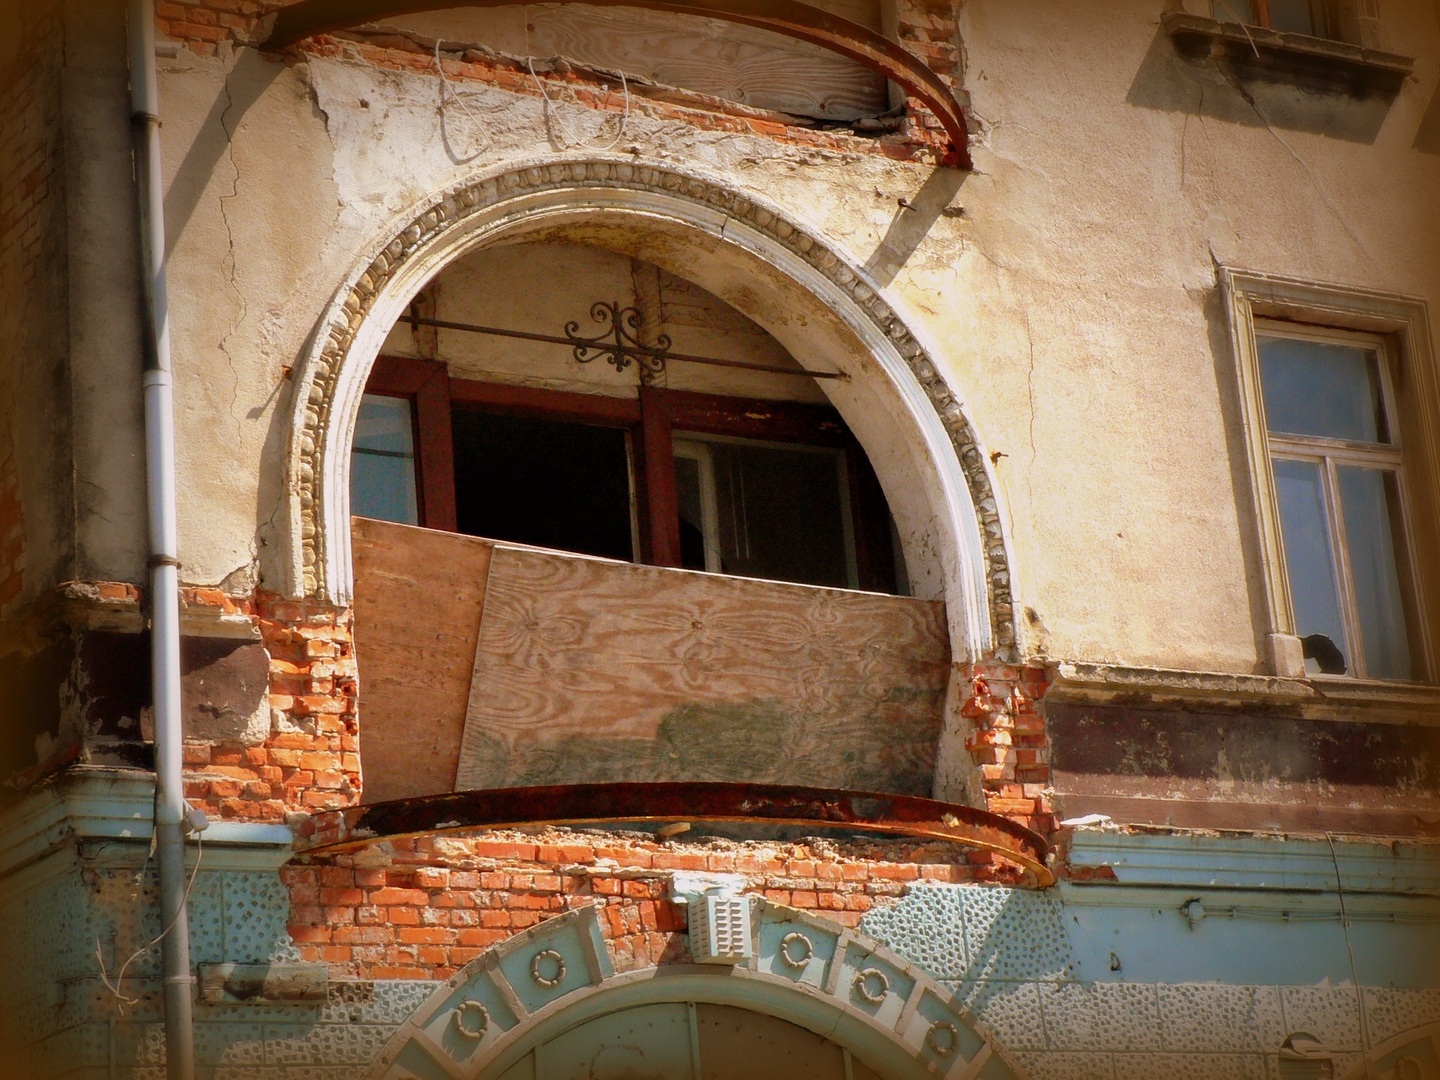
pixel 876 537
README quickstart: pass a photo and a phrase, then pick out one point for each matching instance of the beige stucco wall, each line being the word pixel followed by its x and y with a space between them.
pixel 1073 304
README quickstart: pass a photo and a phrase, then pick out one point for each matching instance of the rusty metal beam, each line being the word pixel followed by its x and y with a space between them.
pixel 788 17
pixel 600 804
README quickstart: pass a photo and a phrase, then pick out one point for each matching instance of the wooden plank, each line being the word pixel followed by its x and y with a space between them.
pixel 754 418
pixel 752 66
pixel 746 65
pixel 590 670
pixel 514 400
pixel 418 600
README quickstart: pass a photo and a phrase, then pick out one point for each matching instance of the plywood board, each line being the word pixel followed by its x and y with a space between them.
pixel 418 600
pixel 589 670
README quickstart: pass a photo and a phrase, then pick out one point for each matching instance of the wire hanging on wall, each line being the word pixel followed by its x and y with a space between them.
pixel 550 110
pixel 569 132
pixel 447 88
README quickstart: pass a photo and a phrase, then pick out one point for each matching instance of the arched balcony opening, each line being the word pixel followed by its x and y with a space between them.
pixel 740 545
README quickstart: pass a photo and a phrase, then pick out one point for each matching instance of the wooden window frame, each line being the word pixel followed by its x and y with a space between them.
pixel 1320 9
pixel 652 419
pixel 426 385
pixel 1331 453
pixel 1399 326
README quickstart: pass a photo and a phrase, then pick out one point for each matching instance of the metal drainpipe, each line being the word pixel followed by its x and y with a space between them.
pixel 170 805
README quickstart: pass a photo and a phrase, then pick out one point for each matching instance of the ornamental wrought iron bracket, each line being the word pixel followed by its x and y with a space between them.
pixel 796 20
pixel 624 349
pixel 624 346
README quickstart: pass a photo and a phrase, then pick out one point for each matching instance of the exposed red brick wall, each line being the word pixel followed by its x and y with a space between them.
pixel 1009 741
pixel 31 230
pixel 204 26
pixel 29 150
pixel 421 908
pixel 926 28
pixel 311 759
pixel 930 30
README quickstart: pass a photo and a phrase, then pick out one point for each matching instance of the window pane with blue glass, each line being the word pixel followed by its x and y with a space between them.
pixel 382 461
pixel 1336 463
pixel 1374 532
pixel 1322 389
pixel 1314 591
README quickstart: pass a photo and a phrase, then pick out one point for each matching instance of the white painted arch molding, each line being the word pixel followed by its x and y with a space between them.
pixel 494 1017
pixel 523 200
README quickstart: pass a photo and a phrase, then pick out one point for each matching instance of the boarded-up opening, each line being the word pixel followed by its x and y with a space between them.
pixel 492 665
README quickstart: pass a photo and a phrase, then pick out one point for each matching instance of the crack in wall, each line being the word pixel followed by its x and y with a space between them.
pixel 224 343
pixel 1314 181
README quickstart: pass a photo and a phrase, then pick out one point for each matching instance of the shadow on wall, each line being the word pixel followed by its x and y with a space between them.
pixel 914 217
pixel 983 943
pixel 1427 139
pixel 244 86
pixel 1222 90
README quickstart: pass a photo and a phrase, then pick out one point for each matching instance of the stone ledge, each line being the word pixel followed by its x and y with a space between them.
pixel 1323 698
pixel 263 984
pixel 1319 63
pixel 1185 857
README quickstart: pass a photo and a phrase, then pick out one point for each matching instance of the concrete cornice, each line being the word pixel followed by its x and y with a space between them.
pixel 1270 863
pixel 1318 699
pixel 106 816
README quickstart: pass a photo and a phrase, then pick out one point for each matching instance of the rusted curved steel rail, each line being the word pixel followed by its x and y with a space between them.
pixel 789 17
pixel 599 804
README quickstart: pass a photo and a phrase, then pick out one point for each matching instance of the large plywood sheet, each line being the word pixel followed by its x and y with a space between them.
pixel 590 670
pixel 418 600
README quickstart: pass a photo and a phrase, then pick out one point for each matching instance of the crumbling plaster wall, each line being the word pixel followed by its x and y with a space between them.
pixel 1102 226
pixel 1072 302
pixel 70 405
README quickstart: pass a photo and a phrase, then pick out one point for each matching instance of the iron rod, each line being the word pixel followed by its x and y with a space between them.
pixel 475 328
pixel 668 801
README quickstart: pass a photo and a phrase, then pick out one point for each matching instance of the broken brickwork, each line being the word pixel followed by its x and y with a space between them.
pixel 422 908
pixel 1008 740
pixel 310 759
pixel 926 28
pixel 298 754
pixel 930 30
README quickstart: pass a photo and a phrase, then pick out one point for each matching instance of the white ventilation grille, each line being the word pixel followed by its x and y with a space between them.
pixel 720 929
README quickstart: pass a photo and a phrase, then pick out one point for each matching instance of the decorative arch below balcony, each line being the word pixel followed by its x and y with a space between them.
pixel 813 1000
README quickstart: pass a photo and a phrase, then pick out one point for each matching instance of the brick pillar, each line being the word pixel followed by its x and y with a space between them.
pixel 1009 742
pixel 310 759
pixel 930 29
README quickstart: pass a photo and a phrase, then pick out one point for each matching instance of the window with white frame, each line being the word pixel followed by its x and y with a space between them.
pixel 1338 465
pixel 1339 393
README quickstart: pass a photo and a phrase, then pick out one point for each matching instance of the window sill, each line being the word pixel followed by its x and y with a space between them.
pixel 1321 698
pixel 1315 63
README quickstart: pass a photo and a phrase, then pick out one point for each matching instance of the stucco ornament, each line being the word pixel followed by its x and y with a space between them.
pixel 492 1015
pixel 372 295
